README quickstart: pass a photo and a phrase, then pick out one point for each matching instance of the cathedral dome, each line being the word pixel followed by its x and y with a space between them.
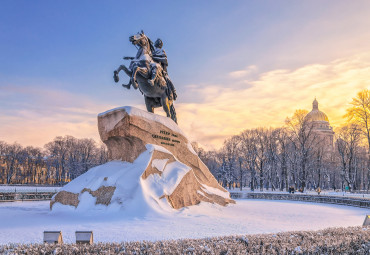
pixel 316 114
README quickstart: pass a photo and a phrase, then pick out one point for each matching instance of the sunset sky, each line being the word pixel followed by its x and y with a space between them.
pixel 235 64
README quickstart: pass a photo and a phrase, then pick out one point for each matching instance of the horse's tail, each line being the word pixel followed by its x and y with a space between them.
pixel 173 113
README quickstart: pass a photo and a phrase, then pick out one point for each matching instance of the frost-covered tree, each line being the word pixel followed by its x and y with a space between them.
pixel 248 152
pixel 230 159
pixel 359 113
pixel 282 138
pixel 57 152
pixel 348 145
pixel 304 139
pixel 69 157
pixel 13 155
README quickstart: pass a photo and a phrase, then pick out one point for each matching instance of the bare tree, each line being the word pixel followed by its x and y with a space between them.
pixel 283 139
pixel 273 173
pixel 58 154
pixel 3 146
pixel 304 139
pixel 359 113
pixel 102 154
pixel 347 145
pixel 33 164
pixel 230 151
pixel 261 146
pixel 12 154
pixel 249 154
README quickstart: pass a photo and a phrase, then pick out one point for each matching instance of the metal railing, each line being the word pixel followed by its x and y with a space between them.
pixel 27 189
pixel 349 201
pixel 33 196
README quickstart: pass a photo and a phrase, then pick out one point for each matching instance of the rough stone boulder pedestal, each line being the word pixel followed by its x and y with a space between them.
pixel 152 164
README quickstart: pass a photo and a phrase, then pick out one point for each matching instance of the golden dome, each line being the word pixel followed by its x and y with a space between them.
pixel 316 114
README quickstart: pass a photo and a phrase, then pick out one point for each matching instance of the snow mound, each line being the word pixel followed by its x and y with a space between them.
pixel 145 186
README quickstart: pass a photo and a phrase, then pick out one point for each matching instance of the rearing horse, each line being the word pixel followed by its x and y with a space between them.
pixel 139 72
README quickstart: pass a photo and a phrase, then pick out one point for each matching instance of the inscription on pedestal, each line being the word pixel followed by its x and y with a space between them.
pixel 167 137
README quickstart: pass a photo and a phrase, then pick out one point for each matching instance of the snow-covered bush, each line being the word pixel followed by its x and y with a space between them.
pixel 352 240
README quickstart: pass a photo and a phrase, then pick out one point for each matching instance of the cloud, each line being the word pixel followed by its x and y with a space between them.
pixel 243 73
pixel 274 95
pixel 35 115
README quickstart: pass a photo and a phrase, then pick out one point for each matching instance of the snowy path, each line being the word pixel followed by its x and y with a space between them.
pixel 25 221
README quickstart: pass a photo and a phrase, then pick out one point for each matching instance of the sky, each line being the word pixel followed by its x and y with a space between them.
pixel 235 64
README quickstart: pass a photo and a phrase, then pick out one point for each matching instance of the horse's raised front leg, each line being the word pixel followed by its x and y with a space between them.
pixel 125 69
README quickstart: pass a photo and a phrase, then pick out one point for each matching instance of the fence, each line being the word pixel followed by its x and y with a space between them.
pixel 34 196
pixel 357 202
pixel 28 189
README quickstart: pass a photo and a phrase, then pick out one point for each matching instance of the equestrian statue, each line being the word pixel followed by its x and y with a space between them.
pixel 148 73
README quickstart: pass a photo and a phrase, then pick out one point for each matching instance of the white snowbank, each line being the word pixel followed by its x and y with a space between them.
pixel 24 222
pixel 134 195
pixel 159 164
pixel 211 190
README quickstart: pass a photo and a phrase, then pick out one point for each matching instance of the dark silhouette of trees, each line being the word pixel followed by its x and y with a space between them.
pixel 62 160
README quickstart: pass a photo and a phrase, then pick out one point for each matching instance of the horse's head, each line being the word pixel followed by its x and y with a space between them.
pixel 144 43
pixel 139 39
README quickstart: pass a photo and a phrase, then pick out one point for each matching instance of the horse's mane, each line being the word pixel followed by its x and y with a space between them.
pixel 151 45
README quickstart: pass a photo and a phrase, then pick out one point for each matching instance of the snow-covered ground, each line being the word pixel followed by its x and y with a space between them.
pixel 24 222
pixel 25 189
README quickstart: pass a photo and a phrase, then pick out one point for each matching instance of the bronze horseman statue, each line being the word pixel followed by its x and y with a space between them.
pixel 148 72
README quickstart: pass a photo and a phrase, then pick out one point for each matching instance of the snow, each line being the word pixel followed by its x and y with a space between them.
pixel 159 164
pixel 143 114
pixel 191 149
pixel 168 181
pixel 211 190
pixel 133 193
pixel 24 222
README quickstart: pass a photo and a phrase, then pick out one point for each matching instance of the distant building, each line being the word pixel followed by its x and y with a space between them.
pixel 321 127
